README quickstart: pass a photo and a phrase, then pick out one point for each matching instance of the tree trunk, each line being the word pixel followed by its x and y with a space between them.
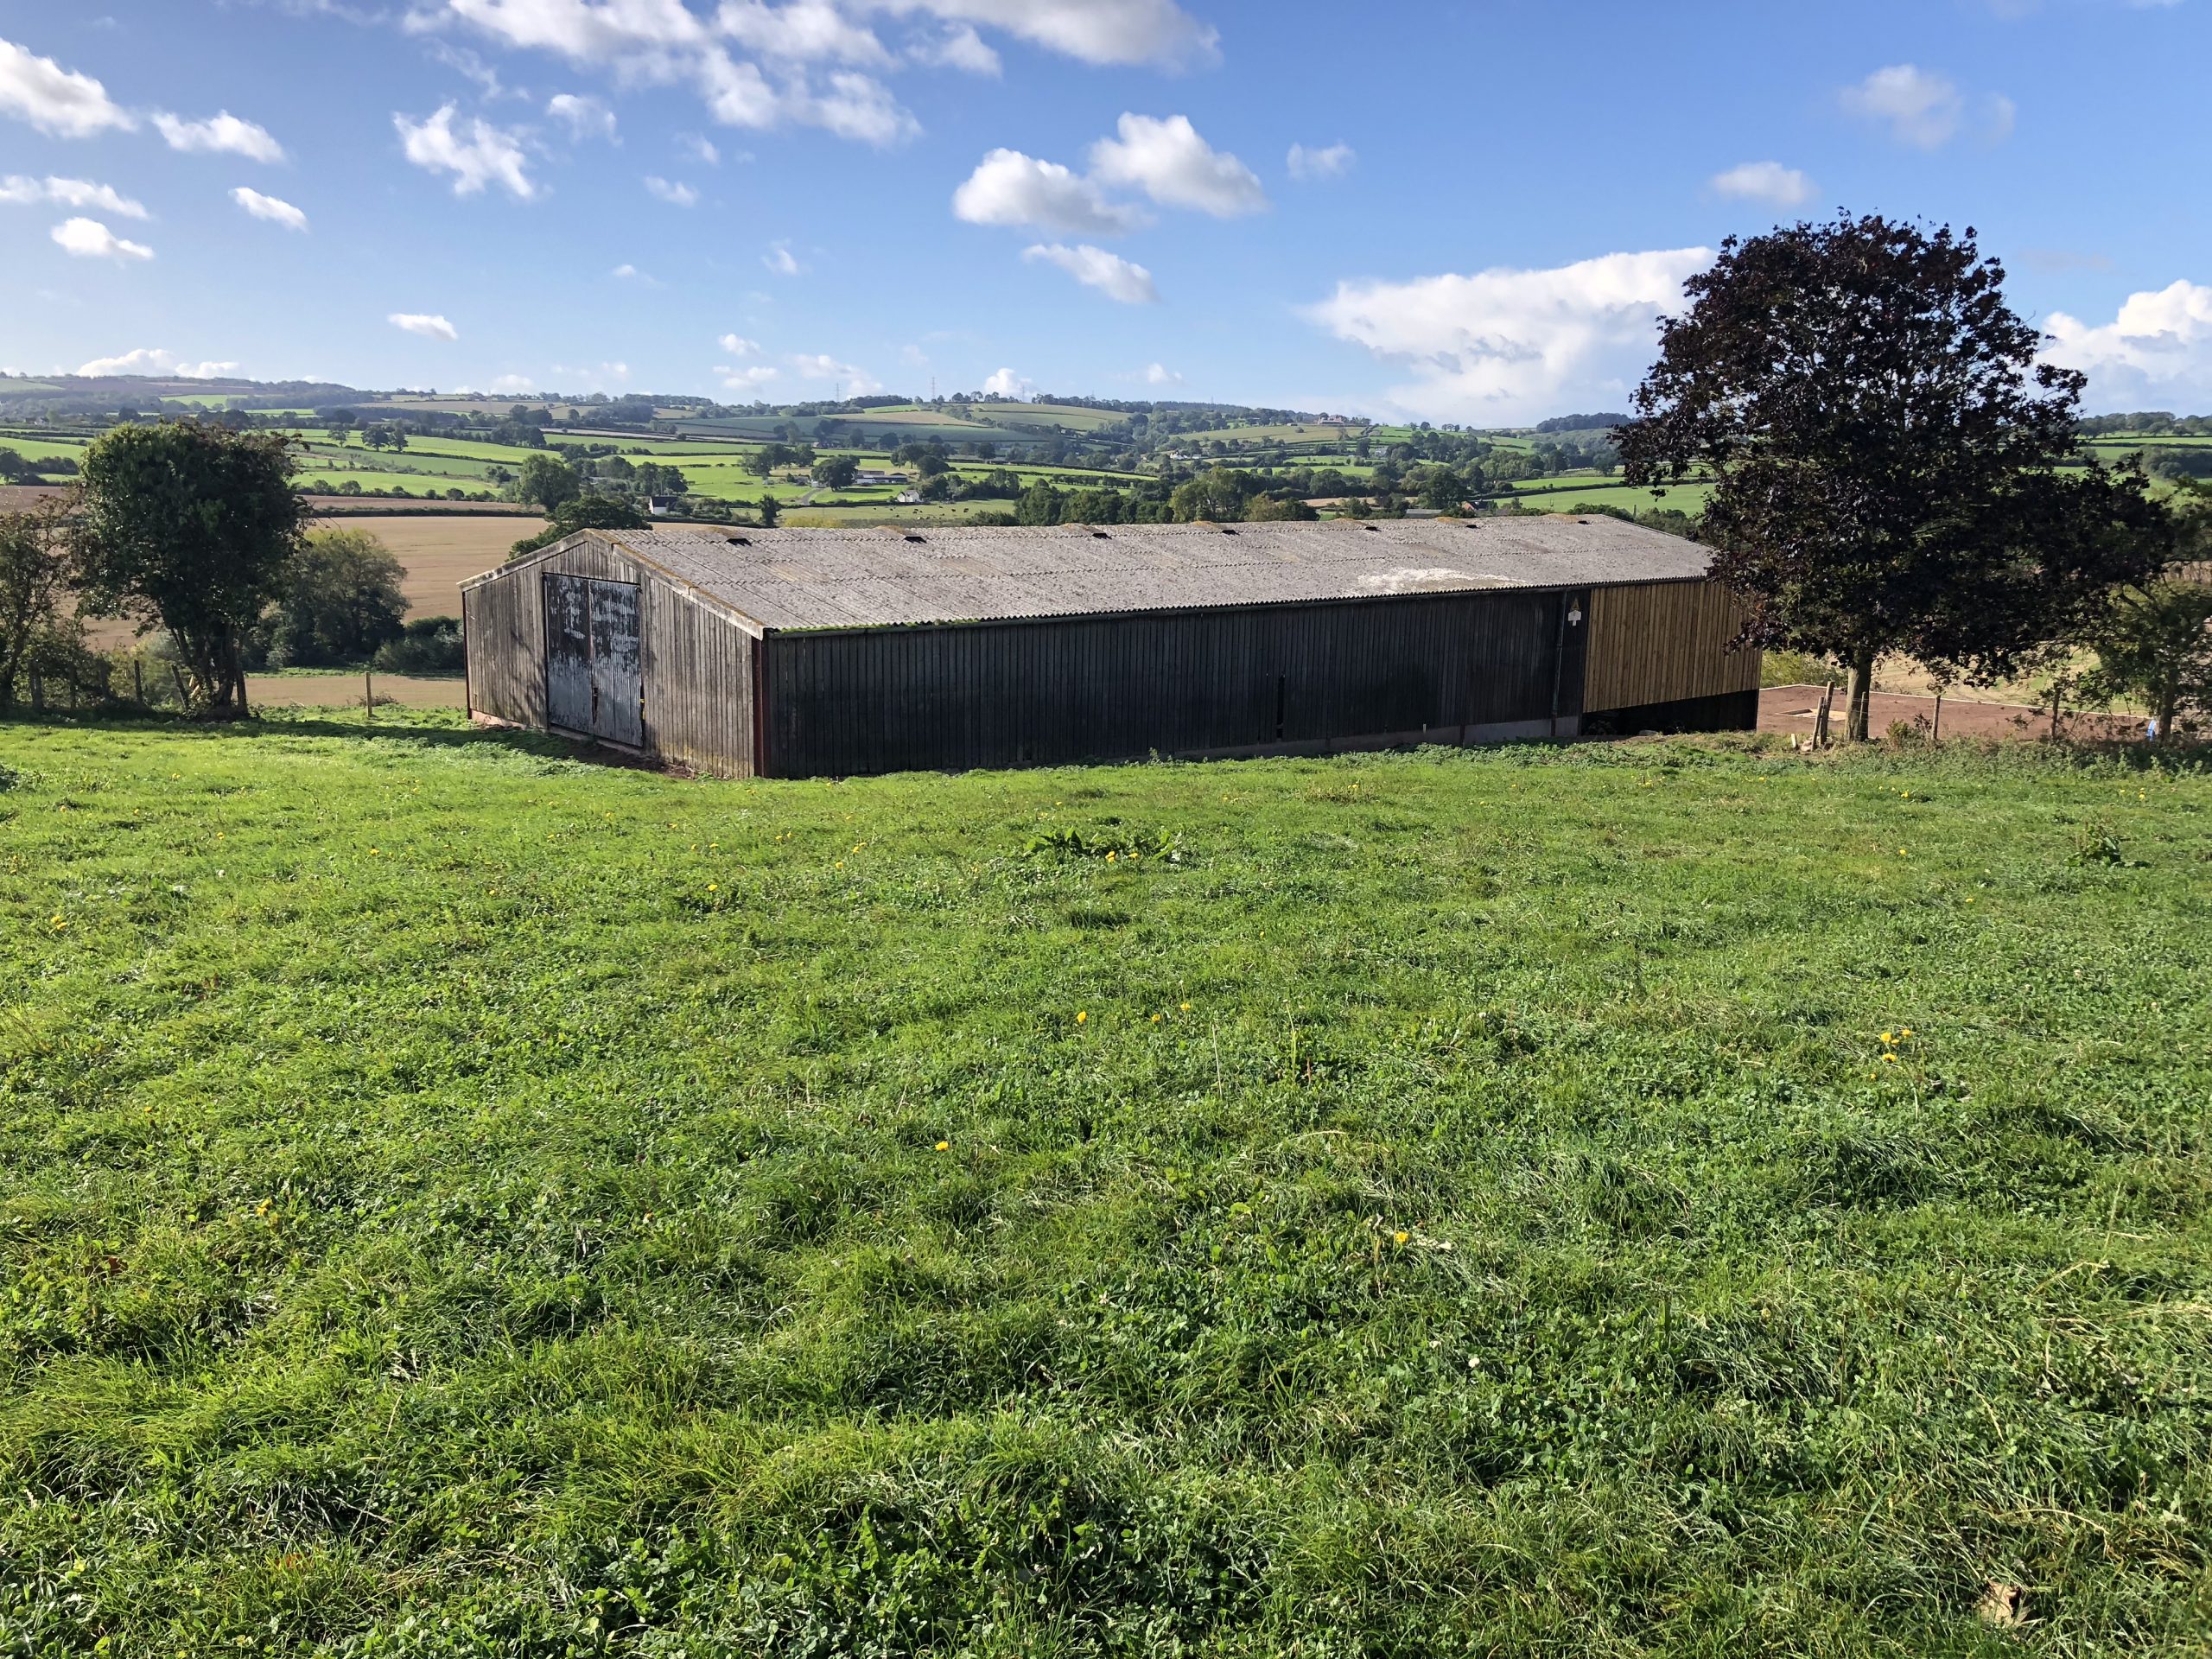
pixel 1856 725
pixel 2169 699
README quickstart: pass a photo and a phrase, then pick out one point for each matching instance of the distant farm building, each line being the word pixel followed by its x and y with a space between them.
pixel 794 653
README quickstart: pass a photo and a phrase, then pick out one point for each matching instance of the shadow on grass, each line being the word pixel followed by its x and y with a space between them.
pixel 438 731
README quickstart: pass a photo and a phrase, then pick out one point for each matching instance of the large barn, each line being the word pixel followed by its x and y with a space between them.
pixel 799 653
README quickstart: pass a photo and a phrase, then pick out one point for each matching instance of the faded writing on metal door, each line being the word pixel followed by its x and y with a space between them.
pixel 594 677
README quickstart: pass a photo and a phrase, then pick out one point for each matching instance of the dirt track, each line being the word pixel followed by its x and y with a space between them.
pixel 1789 708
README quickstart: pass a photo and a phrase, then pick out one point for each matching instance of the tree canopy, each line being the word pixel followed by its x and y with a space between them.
pixel 340 600
pixel 1888 454
pixel 190 527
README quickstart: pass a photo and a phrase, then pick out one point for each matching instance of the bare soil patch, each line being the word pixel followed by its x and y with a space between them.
pixel 1790 708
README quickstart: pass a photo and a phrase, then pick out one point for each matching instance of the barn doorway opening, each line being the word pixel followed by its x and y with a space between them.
pixel 594 676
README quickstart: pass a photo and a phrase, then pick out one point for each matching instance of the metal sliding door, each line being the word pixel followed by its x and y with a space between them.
pixel 594 680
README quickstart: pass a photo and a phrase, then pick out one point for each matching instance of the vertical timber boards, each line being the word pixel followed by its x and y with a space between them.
pixel 1089 687
pixel 699 675
pixel 1664 642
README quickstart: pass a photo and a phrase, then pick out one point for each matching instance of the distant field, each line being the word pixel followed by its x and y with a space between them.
pixel 1682 498
pixel 1285 434
pixel 1074 417
pixel 46 448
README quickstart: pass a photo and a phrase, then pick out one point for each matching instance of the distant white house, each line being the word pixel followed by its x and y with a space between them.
pixel 910 498
pixel 661 506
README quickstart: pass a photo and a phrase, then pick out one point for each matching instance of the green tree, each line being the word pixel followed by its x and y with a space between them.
pixel 837 472
pixel 770 511
pixel 33 579
pixel 1215 497
pixel 1888 456
pixel 2155 643
pixel 340 600
pixel 547 482
pixel 582 513
pixel 1040 504
pixel 190 528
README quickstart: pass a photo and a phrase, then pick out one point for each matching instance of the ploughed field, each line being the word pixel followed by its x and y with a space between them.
pixel 1656 1198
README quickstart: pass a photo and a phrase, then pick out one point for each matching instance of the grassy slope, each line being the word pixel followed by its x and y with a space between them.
pixel 1459 1205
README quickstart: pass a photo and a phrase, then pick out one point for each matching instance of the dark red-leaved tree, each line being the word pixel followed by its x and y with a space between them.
pixel 1893 470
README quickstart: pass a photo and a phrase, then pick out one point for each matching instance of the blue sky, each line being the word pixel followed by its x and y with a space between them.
pixel 1469 211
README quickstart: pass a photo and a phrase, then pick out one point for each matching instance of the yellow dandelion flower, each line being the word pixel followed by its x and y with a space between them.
pixel 1907 1032
pixel 1889 1036
pixel 1400 1238
pixel 1890 1059
pixel 1157 1018
pixel 712 886
pixel 1186 1008
pixel 944 1146
pixel 1081 1017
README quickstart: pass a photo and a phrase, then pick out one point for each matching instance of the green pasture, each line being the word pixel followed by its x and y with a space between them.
pixel 46 448
pixel 1680 498
pixel 1285 434
pixel 1073 417
pixel 1672 1198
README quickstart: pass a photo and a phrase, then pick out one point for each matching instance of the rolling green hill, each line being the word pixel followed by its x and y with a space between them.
pixel 1655 1198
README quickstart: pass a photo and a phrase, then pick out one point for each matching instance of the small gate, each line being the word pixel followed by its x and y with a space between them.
pixel 594 678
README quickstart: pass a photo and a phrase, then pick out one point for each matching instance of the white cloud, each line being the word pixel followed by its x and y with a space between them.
pixel 584 116
pixel 2156 352
pixel 962 48
pixel 481 154
pixel 703 150
pixel 54 99
pixel 737 346
pixel 1169 161
pixel 799 31
pixel 1095 31
pixel 1311 166
pixel 1009 188
pixel 70 193
pixel 676 195
pixel 667 42
pixel 1109 273
pixel 747 379
pixel 1006 384
pixel 87 239
pixel 1158 374
pixel 1764 181
pixel 856 382
pixel 855 107
pixel 1926 110
pixel 268 207
pixel 429 327
pixel 224 133
pixel 1509 345
pixel 512 384
pixel 153 360
pixel 780 259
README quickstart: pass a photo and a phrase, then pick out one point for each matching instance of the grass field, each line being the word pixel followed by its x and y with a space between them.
pixel 1653 1199
pixel 1287 434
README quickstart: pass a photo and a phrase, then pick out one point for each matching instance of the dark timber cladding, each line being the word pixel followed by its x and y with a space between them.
pixel 803 653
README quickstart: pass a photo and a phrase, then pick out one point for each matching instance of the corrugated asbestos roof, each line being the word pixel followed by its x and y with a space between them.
pixel 789 580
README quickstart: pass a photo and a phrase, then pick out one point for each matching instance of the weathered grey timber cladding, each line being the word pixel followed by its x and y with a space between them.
pixel 798 653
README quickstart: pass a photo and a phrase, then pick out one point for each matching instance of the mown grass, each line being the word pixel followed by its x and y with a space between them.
pixel 458 1200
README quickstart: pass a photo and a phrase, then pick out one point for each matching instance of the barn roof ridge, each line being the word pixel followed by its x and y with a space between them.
pixel 802 579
